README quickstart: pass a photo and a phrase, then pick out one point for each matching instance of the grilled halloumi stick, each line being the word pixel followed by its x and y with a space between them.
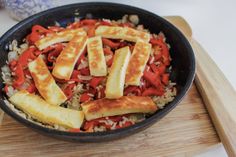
pixel 116 78
pixel 125 33
pixel 97 62
pixel 66 61
pixel 137 63
pixel 62 36
pixel 124 105
pixel 45 83
pixel 37 108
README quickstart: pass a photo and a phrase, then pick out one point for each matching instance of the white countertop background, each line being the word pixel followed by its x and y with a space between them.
pixel 213 23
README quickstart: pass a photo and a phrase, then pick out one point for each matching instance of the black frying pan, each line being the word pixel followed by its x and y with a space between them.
pixel 183 62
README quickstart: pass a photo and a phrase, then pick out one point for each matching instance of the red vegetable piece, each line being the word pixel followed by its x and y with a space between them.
pixel 88 22
pixel 152 78
pixel 31 88
pixel 53 51
pixel 110 43
pixel 82 56
pixel 85 97
pixel 74 76
pixel 33 37
pixel 19 78
pixel 165 78
pixel 85 71
pixel 132 89
pixel 152 91
pixel 110 61
pixel 95 81
pixel 107 51
pixel 40 29
pixel 68 91
pixel 126 124
pixel 26 56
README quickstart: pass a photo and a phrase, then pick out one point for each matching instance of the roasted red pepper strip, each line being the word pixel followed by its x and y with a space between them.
pixel 110 61
pixel 88 22
pixel 40 29
pixel 69 90
pixel 89 125
pixel 33 37
pixel 164 50
pixel 160 69
pixel 107 51
pixel 152 91
pixel 132 89
pixel 82 57
pixel 26 56
pixel 37 32
pixel 95 81
pixel 85 71
pixel 110 43
pixel 19 78
pixel 84 97
pixel 74 76
pixel 31 88
pixel 126 124
pixel 54 52
pixel 152 78
pixel 165 78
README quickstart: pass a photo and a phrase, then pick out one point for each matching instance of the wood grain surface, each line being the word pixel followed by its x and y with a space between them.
pixel 183 132
pixel 216 91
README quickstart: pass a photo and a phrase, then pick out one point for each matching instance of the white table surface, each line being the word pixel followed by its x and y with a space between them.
pixel 213 23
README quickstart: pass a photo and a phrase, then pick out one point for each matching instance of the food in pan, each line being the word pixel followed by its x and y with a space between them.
pixel 92 75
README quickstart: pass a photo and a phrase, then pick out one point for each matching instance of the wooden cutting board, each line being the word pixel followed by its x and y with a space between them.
pixel 185 131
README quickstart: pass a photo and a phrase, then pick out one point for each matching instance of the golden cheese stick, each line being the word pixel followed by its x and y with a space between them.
pixel 67 59
pixel 116 78
pixel 63 36
pixel 137 63
pixel 125 33
pixel 123 105
pixel 45 83
pixel 37 108
pixel 97 62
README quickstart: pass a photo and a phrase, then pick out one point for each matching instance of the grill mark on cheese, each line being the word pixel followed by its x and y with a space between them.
pixel 139 58
pixel 66 61
pixel 42 111
pixel 116 78
pixel 45 83
pixel 97 61
pixel 54 38
pixel 123 105
pixel 125 33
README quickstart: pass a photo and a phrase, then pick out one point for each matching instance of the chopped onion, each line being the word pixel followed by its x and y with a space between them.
pixel 86 78
pixel 12 55
pixel 108 57
pixel 83 64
